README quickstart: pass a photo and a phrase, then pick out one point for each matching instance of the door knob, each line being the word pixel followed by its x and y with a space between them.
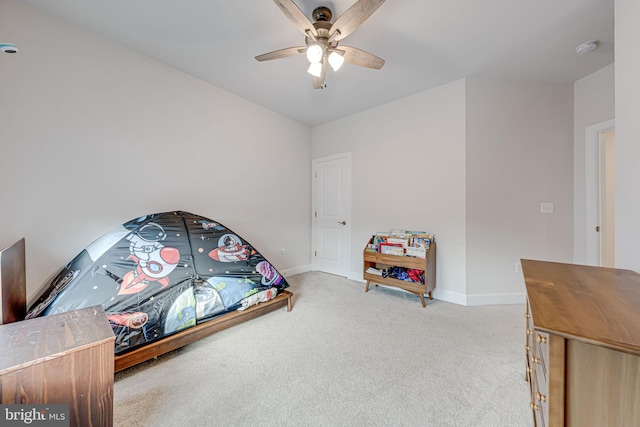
pixel 342 222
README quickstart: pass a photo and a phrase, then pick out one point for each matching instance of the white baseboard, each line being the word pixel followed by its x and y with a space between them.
pixel 295 270
pixel 357 276
pixel 497 299
pixel 448 296
pixel 439 294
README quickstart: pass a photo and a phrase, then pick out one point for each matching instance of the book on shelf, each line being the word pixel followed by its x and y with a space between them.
pixel 373 270
pixel 404 238
pixel 404 242
pixel 422 240
pixel 416 252
pixel 400 234
pixel 391 249
pixel 377 239
pixel 396 231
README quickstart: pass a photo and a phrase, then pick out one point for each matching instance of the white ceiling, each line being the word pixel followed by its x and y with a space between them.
pixel 425 43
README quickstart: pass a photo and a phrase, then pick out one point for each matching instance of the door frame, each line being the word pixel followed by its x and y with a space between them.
pixel 314 194
pixel 592 188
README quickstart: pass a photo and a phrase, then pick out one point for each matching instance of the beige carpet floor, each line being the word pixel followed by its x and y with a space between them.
pixel 341 357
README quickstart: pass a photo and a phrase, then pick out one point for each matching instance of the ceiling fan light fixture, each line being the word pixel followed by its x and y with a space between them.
pixel 336 60
pixel 315 52
pixel 315 69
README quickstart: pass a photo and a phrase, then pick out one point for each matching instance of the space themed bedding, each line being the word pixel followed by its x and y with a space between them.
pixel 161 274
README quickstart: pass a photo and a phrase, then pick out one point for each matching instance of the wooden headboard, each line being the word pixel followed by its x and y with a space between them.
pixel 13 283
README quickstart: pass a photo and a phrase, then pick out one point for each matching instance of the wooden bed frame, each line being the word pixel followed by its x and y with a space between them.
pixel 201 330
pixel 13 308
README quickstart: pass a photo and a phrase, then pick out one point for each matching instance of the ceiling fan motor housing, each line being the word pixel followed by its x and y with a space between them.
pixel 322 13
pixel 322 29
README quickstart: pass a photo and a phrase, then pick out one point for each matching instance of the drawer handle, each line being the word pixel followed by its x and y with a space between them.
pixel 527 315
pixel 529 370
pixel 541 339
pixel 535 359
pixel 527 348
pixel 529 332
pixel 541 397
pixel 534 406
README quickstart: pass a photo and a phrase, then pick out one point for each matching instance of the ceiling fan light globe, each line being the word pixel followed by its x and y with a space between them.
pixel 315 53
pixel 336 60
pixel 315 69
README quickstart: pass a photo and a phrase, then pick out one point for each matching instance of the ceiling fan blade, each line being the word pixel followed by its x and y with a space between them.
pixel 296 16
pixel 319 82
pixel 355 56
pixel 282 53
pixel 353 18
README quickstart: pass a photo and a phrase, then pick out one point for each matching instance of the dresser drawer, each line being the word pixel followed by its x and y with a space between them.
pixel 539 407
pixel 548 367
pixel 539 360
pixel 529 343
pixel 541 340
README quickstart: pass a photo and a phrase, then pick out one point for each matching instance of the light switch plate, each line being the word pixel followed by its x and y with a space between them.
pixel 546 207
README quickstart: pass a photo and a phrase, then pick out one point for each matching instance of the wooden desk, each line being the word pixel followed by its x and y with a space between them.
pixel 66 358
pixel 582 344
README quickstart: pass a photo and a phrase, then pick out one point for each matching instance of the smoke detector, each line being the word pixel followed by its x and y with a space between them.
pixel 587 47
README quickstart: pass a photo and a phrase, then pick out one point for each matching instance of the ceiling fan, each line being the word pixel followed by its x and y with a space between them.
pixel 322 37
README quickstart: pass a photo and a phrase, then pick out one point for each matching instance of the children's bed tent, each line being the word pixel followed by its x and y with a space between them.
pixel 161 274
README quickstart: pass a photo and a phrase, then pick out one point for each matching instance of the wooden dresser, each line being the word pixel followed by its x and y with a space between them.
pixel 582 344
pixel 65 358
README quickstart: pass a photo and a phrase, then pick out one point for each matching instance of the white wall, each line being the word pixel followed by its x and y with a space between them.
pixel 90 137
pixel 94 134
pixel 593 103
pixel 518 154
pixel 408 172
pixel 627 105
pixel 494 150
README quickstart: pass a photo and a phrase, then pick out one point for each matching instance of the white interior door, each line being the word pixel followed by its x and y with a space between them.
pixel 600 193
pixel 331 212
pixel 607 163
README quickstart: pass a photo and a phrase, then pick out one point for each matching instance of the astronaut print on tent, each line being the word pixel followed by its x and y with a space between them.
pixel 160 274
